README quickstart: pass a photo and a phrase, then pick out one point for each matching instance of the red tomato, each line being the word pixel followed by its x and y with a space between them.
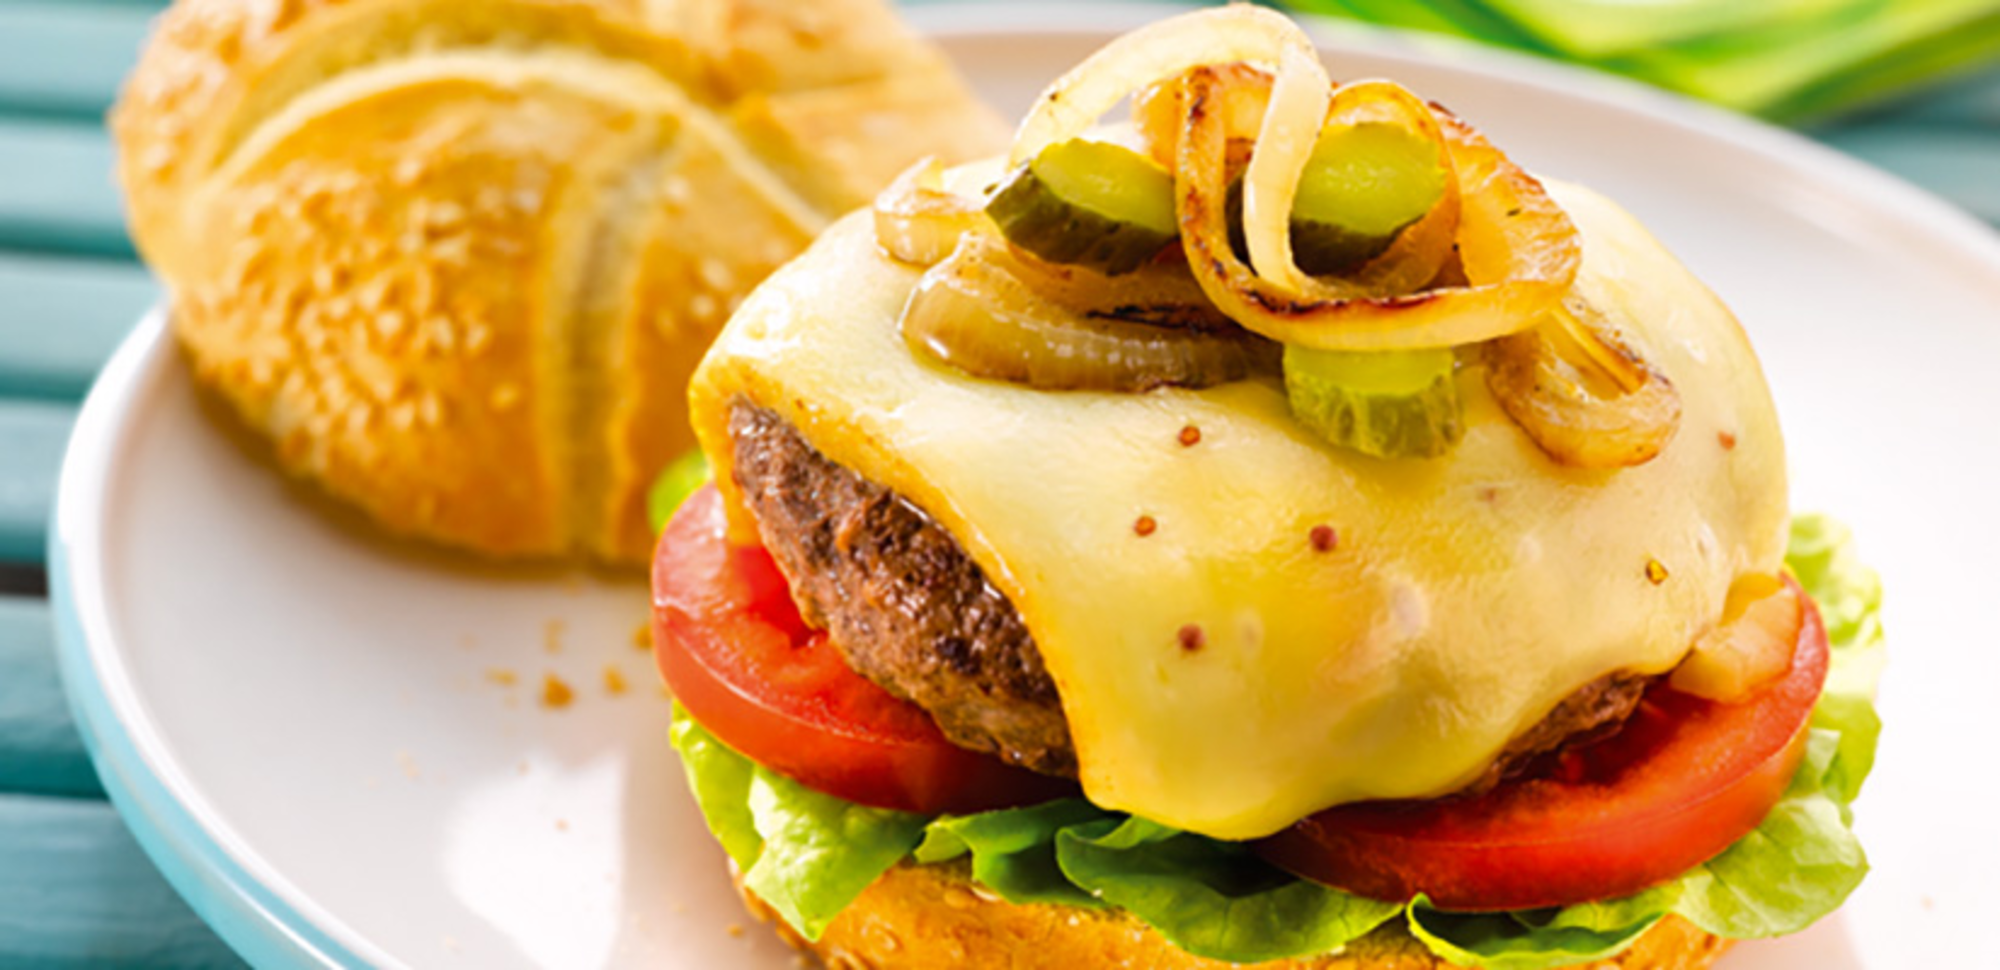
pixel 1683 780
pixel 737 655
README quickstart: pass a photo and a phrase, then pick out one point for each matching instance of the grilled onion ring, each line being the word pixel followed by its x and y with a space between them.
pixel 1157 113
pixel 1518 251
pixel 918 220
pixel 1580 393
pixel 979 312
pixel 1149 55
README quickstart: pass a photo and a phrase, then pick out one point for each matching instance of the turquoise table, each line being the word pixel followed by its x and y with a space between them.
pixel 75 891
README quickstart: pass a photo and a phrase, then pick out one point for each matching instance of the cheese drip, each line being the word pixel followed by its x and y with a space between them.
pixel 1453 604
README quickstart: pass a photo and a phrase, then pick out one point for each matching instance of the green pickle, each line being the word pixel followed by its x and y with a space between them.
pixel 1390 404
pixel 1088 203
pixel 1364 184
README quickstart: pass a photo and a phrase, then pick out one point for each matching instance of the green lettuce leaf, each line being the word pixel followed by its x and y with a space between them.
pixel 806 854
pixel 720 779
pixel 1849 595
pixel 1796 867
pixel 1014 851
pixel 1822 555
pixel 1212 899
pixel 809 854
pixel 682 477
pixel 1535 939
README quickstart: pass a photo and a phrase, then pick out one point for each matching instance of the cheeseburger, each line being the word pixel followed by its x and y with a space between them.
pixel 1275 531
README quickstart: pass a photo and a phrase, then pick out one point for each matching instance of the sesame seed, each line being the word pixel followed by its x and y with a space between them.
pixel 441 334
pixel 445 215
pixel 1656 571
pixel 453 250
pixel 716 274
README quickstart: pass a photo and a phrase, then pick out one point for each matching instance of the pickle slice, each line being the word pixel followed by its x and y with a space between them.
pixel 1088 203
pixel 1364 184
pixel 1390 404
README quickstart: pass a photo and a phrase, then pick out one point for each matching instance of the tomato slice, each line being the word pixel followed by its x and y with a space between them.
pixel 734 650
pixel 1684 779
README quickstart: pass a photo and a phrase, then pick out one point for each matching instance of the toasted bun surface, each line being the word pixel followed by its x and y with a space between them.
pixel 458 259
pixel 935 918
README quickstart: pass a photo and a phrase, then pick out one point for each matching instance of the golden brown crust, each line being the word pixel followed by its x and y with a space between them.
pixel 715 234
pixel 457 259
pixel 935 918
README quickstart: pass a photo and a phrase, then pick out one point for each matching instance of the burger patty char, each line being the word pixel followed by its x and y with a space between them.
pixel 911 611
pixel 904 604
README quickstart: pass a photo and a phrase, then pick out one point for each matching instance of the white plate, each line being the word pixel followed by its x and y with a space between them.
pixel 299 723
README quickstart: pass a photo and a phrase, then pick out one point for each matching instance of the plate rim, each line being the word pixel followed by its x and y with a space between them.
pixel 254 918
pixel 264 919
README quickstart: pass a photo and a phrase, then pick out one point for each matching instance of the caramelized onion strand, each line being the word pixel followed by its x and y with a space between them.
pixel 1161 51
pixel 1292 122
pixel 1578 411
pixel 917 220
pixel 1517 249
pixel 973 312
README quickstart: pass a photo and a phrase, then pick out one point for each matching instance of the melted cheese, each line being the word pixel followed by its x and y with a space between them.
pixel 1466 595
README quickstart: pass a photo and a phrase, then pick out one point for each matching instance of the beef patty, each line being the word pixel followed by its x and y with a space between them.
pixel 903 603
pixel 912 612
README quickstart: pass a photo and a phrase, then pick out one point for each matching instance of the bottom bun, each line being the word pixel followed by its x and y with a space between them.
pixel 934 917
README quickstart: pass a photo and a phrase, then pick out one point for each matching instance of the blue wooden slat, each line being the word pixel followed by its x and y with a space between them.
pixel 67 58
pixel 40 751
pixel 76 892
pixel 56 189
pixel 32 438
pixel 60 319
pixel 1974 102
pixel 1961 164
pixel 154 6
